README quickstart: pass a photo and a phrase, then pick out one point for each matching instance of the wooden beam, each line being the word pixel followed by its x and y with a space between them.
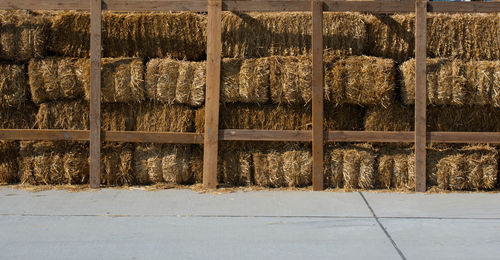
pixel 214 50
pixel 464 137
pixel 149 137
pixel 254 5
pixel 265 135
pixel 420 95
pixel 370 136
pixel 317 94
pixel 95 92
pixel 44 135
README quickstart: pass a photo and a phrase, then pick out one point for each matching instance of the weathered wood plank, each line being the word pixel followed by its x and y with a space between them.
pixel 265 135
pixel 420 95
pixel 149 137
pixel 95 92
pixel 370 136
pixel 317 94
pixel 44 135
pixel 214 50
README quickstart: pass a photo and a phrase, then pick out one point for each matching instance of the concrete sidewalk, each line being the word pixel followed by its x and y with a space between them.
pixel 182 224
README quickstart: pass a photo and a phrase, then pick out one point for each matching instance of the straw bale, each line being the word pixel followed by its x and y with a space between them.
pixel 266 34
pixel 177 35
pixel 358 169
pixel 455 82
pixel 116 164
pixel 23 35
pixel 122 80
pixel 235 164
pixel 462 36
pixel 439 118
pixel 22 117
pixel 154 163
pixel 53 163
pixel 75 115
pixel 291 79
pixel 8 162
pixel 333 173
pixel 273 117
pixel 286 166
pixel 390 36
pixel 245 80
pixel 156 117
pixel 362 80
pixel 13 85
pixel 172 81
pixel 196 163
pixel 467 168
pixel 396 169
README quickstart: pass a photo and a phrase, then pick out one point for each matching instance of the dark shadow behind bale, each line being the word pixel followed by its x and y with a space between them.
pixel 9 152
pixel 21 117
pixel 13 85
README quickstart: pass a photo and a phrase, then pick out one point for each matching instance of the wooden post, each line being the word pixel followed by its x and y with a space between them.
pixel 95 92
pixel 317 94
pixel 214 50
pixel 420 95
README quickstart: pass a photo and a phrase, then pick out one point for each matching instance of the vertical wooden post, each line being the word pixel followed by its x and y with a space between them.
pixel 317 94
pixel 420 95
pixel 214 50
pixel 95 92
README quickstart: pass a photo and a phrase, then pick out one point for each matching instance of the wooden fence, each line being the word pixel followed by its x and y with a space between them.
pixel 213 134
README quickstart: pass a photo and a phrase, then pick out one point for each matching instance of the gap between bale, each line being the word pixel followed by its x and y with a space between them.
pixel 455 82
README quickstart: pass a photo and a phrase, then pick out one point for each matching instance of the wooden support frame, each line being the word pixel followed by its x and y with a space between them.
pixel 420 95
pixel 214 52
pixel 213 135
pixel 95 92
pixel 317 95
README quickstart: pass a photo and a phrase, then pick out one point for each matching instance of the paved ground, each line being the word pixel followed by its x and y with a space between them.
pixel 181 224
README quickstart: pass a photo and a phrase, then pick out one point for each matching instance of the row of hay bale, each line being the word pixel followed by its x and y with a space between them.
pixel 182 35
pixel 359 166
pixel 358 80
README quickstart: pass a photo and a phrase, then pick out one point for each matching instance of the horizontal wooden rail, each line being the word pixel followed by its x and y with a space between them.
pixel 253 6
pixel 149 137
pixel 249 135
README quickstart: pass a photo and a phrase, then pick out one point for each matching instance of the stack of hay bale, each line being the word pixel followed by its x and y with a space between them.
pixel 153 79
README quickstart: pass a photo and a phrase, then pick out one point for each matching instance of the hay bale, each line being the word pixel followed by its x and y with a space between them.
pixel 468 168
pixel 116 164
pixel 196 163
pixel 163 163
pixel 156 117
pixel 22 117
pixel 235 164
pixel 8 162
pixel 272 117
pixel 390 36
pixel 462 36
pixel 361 80
pixel 455 82
pixel 122 80
pixel 358 168
pixel 75 115
pixel 177 35
pixel 396 169
pixel 245 80
pixel 13 85
pixel 440 118
pixel 56 78
pixel 333 174
pixel 172 81
pixel 53 163
pixel 288 166
pixel 23 35
pixel 291 79
pixel 267 34
pixel 69 78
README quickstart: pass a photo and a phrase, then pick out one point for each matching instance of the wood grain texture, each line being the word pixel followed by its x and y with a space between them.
pixel 95 93
pixel 44 135
pixel 317 95
pixel 420 95
pixel 214 50
pixel 149 137
pixel 255 6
